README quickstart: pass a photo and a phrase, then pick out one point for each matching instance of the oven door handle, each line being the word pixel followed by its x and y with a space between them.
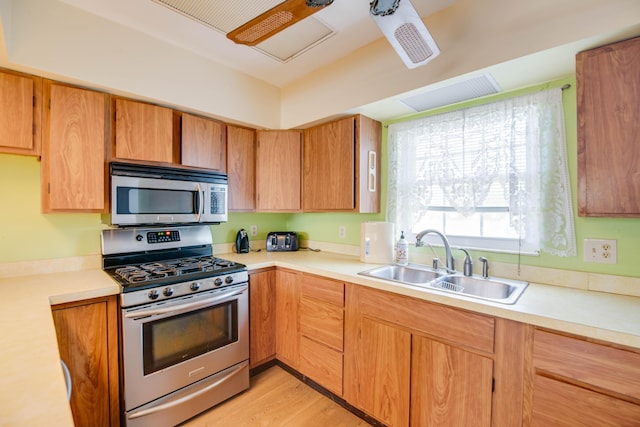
pixel 189 397
pixel 183 307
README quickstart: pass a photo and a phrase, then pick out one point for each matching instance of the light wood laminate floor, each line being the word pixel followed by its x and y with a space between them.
pixel 277 398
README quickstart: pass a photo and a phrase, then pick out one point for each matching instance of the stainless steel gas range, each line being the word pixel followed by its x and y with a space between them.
pixel 184 322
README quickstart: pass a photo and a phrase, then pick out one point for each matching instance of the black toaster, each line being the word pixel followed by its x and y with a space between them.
pixel 282 241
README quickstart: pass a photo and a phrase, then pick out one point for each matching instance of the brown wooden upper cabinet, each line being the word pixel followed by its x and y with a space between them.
pixel 608 84
pixel 278 157
pixel 241 168
pixel 203 143
pixel 341 166
pixel 76 128
pixel 20 113
pixel 144 132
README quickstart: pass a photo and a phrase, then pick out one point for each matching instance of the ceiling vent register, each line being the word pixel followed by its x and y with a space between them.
pixel 464 90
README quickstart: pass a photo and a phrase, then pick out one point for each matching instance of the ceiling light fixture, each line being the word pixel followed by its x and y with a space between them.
pixel 319 3
pixel 402 26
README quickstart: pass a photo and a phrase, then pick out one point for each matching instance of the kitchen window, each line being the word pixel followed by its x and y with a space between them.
pixel 491 177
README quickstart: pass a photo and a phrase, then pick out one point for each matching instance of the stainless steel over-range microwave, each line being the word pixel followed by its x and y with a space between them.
pixel 157 195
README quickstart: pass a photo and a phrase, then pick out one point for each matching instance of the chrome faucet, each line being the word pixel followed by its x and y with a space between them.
pixel 468 263
pixel 447 248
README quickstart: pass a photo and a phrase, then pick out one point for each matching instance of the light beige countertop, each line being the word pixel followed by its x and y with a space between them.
pixel 600 315
pixel 32 388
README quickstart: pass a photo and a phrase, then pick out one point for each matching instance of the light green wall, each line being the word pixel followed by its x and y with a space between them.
pixel 26 234
pixel 626 231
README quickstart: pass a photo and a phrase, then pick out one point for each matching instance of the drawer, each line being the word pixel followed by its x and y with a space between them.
pixel 564 405
pixel 327 290
pixel 609 368
pixel 321 321
pixel 322 364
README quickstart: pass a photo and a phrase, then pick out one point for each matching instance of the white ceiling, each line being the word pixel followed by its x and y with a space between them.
pixel 515 42
pixel 349 19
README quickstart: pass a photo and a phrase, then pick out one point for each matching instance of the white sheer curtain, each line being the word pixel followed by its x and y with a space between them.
pixel 516 146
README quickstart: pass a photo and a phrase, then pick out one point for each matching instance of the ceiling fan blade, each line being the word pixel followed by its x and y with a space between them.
pixel 275 20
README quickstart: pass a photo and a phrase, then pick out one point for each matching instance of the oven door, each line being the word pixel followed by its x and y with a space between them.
pixel 170 345
pixel 137 200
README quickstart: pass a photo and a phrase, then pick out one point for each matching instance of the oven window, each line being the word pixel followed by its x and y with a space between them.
pixel 175 339
pixel 154 201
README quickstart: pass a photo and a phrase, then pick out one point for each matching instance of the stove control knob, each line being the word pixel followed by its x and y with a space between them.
pixel 168 292
pixel 153 294
pixel 228 280
pixel 195 286
pixel 218 281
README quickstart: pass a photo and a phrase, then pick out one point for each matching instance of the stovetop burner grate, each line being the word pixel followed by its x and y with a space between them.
pixel 159 270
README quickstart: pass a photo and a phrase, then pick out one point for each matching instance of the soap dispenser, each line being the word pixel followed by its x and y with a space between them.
pixel 402 250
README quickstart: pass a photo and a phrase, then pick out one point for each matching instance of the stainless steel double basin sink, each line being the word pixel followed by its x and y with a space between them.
pixel 494 289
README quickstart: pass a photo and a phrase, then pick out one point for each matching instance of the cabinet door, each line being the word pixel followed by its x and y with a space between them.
pixel 73 155
pixel 20 113
pixel 262 317
pixel 87 339
pixel 203 143
pixel 329 166
pixel 144 132
pixel 278 170
pixel 368 159
pixel 287 310
pixel 377 371
pixel 241 168
pixel 449 386
pixel 608 83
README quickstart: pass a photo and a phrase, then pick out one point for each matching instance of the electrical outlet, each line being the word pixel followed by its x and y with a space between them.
pixel 601 251
pixel 342 232
pixel 254 230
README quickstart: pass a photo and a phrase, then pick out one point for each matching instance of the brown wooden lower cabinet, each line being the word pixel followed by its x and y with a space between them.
pixel 322 364
pixel 377 369
pixel 449 386
pixel 409 362
pixel 404 369
pixel 574 381
pixel 557 403
pixel 87 333
pixel 321 331
pixel 262 317
pixel 287 312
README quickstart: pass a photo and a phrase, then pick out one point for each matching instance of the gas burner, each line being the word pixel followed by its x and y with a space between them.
pixel 153 266
pixel 222 262
pixel 133 274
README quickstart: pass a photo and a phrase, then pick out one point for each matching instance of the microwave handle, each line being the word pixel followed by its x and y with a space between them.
pixel 199 202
